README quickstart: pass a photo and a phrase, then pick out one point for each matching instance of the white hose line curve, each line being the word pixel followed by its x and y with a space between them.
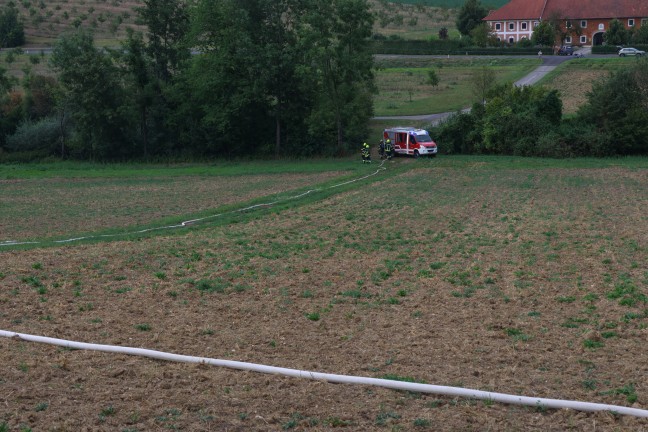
pixel 197 220
pixel 339 379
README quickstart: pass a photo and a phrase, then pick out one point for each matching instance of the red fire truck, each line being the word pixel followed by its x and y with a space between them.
pixel 411 141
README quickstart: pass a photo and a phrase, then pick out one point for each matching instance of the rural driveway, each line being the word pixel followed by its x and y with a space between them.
pixel 549 63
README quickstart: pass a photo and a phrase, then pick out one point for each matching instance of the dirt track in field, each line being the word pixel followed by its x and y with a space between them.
pixel 496 280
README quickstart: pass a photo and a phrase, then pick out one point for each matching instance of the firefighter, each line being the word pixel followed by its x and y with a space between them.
pixel 381 148
pixel 366 154
pixel 389 149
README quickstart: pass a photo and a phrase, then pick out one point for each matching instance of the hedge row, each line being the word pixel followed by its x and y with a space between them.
pixel 611 49
pixel 420 47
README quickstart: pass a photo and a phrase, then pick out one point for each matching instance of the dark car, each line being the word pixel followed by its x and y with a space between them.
pixel 566 50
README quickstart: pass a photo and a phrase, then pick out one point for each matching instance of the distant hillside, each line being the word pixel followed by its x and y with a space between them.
pixel 45 20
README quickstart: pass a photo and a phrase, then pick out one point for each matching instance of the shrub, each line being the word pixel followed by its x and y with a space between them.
pixel 33 136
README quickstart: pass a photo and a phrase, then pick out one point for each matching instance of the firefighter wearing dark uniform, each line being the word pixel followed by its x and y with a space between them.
pixel 389 149
pixel 381 149
pixel 366 155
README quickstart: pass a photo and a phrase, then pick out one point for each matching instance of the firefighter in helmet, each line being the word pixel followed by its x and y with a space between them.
pixel 381 148
pixel 366 154
pixel 389 149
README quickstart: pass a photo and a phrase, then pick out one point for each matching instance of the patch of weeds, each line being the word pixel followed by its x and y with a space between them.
pixel 627 292
pixel 628 390
pixel 393 301
pixel 293 422
pixel 402 293
pixel 41 406
pixel 106 412
pixel 534 314
pixel 123 290
pixel 609 334
pixel 466 293
pixel 517 334
pixel 422 423
pixel 32 281
pixel 161 275
pixel 356 294
pixel 337 422
pixel 591 297
pixel 4 427
pixel 307 294
pixel 86 307
pixel 170 415
pixel 207 332
pixel 566 299
pixel 592 344
pixel 23 367
pixel 384 417
pixel 212 285
pixel 143 327
pixel 37 266
pixel 589 384
pixel 393 377
pixel 313 316
pixel 172 294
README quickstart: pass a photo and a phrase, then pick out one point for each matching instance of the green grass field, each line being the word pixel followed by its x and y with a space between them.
pixel 403 88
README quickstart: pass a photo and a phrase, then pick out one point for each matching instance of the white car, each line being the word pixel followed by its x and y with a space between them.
pixel 631 52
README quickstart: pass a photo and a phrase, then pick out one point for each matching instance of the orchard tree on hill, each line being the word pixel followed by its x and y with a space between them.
pixel 12 33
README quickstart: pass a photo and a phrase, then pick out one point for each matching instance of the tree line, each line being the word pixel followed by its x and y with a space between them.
pixel 232 77
pixel 528 121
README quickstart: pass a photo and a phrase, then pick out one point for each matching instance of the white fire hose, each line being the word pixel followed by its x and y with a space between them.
pixel 339 379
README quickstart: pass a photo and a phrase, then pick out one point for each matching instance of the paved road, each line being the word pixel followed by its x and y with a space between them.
pixel 549 63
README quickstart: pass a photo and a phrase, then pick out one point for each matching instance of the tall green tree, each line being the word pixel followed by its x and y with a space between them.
pixel 12 31
pixel 142 86
pixel 470 16
pixel 616 34
pixel 617 106
pixel 544 34
pixel 336 34
pixel 93 94
pixel 167 23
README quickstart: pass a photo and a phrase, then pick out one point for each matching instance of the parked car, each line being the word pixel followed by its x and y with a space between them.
pixel 631 52
pixel 566 50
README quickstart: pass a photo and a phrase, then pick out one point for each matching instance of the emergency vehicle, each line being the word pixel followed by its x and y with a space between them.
pixel 411 141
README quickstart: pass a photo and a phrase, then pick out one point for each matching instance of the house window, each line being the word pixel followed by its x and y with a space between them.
pixel 524 25
pixel 584 24
pixel 568 24
pixel 568 40
pixel 631 22
pixel 511 40
pixel 601 26
pixel 535 24
pixel 498 26
pixel 511 26
pixel 644 21
pixel 583 39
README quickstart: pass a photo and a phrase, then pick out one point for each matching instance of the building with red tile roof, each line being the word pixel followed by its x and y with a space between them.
pixel 582 22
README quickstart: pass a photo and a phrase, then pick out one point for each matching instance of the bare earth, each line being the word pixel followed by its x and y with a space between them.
pixel 494 280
